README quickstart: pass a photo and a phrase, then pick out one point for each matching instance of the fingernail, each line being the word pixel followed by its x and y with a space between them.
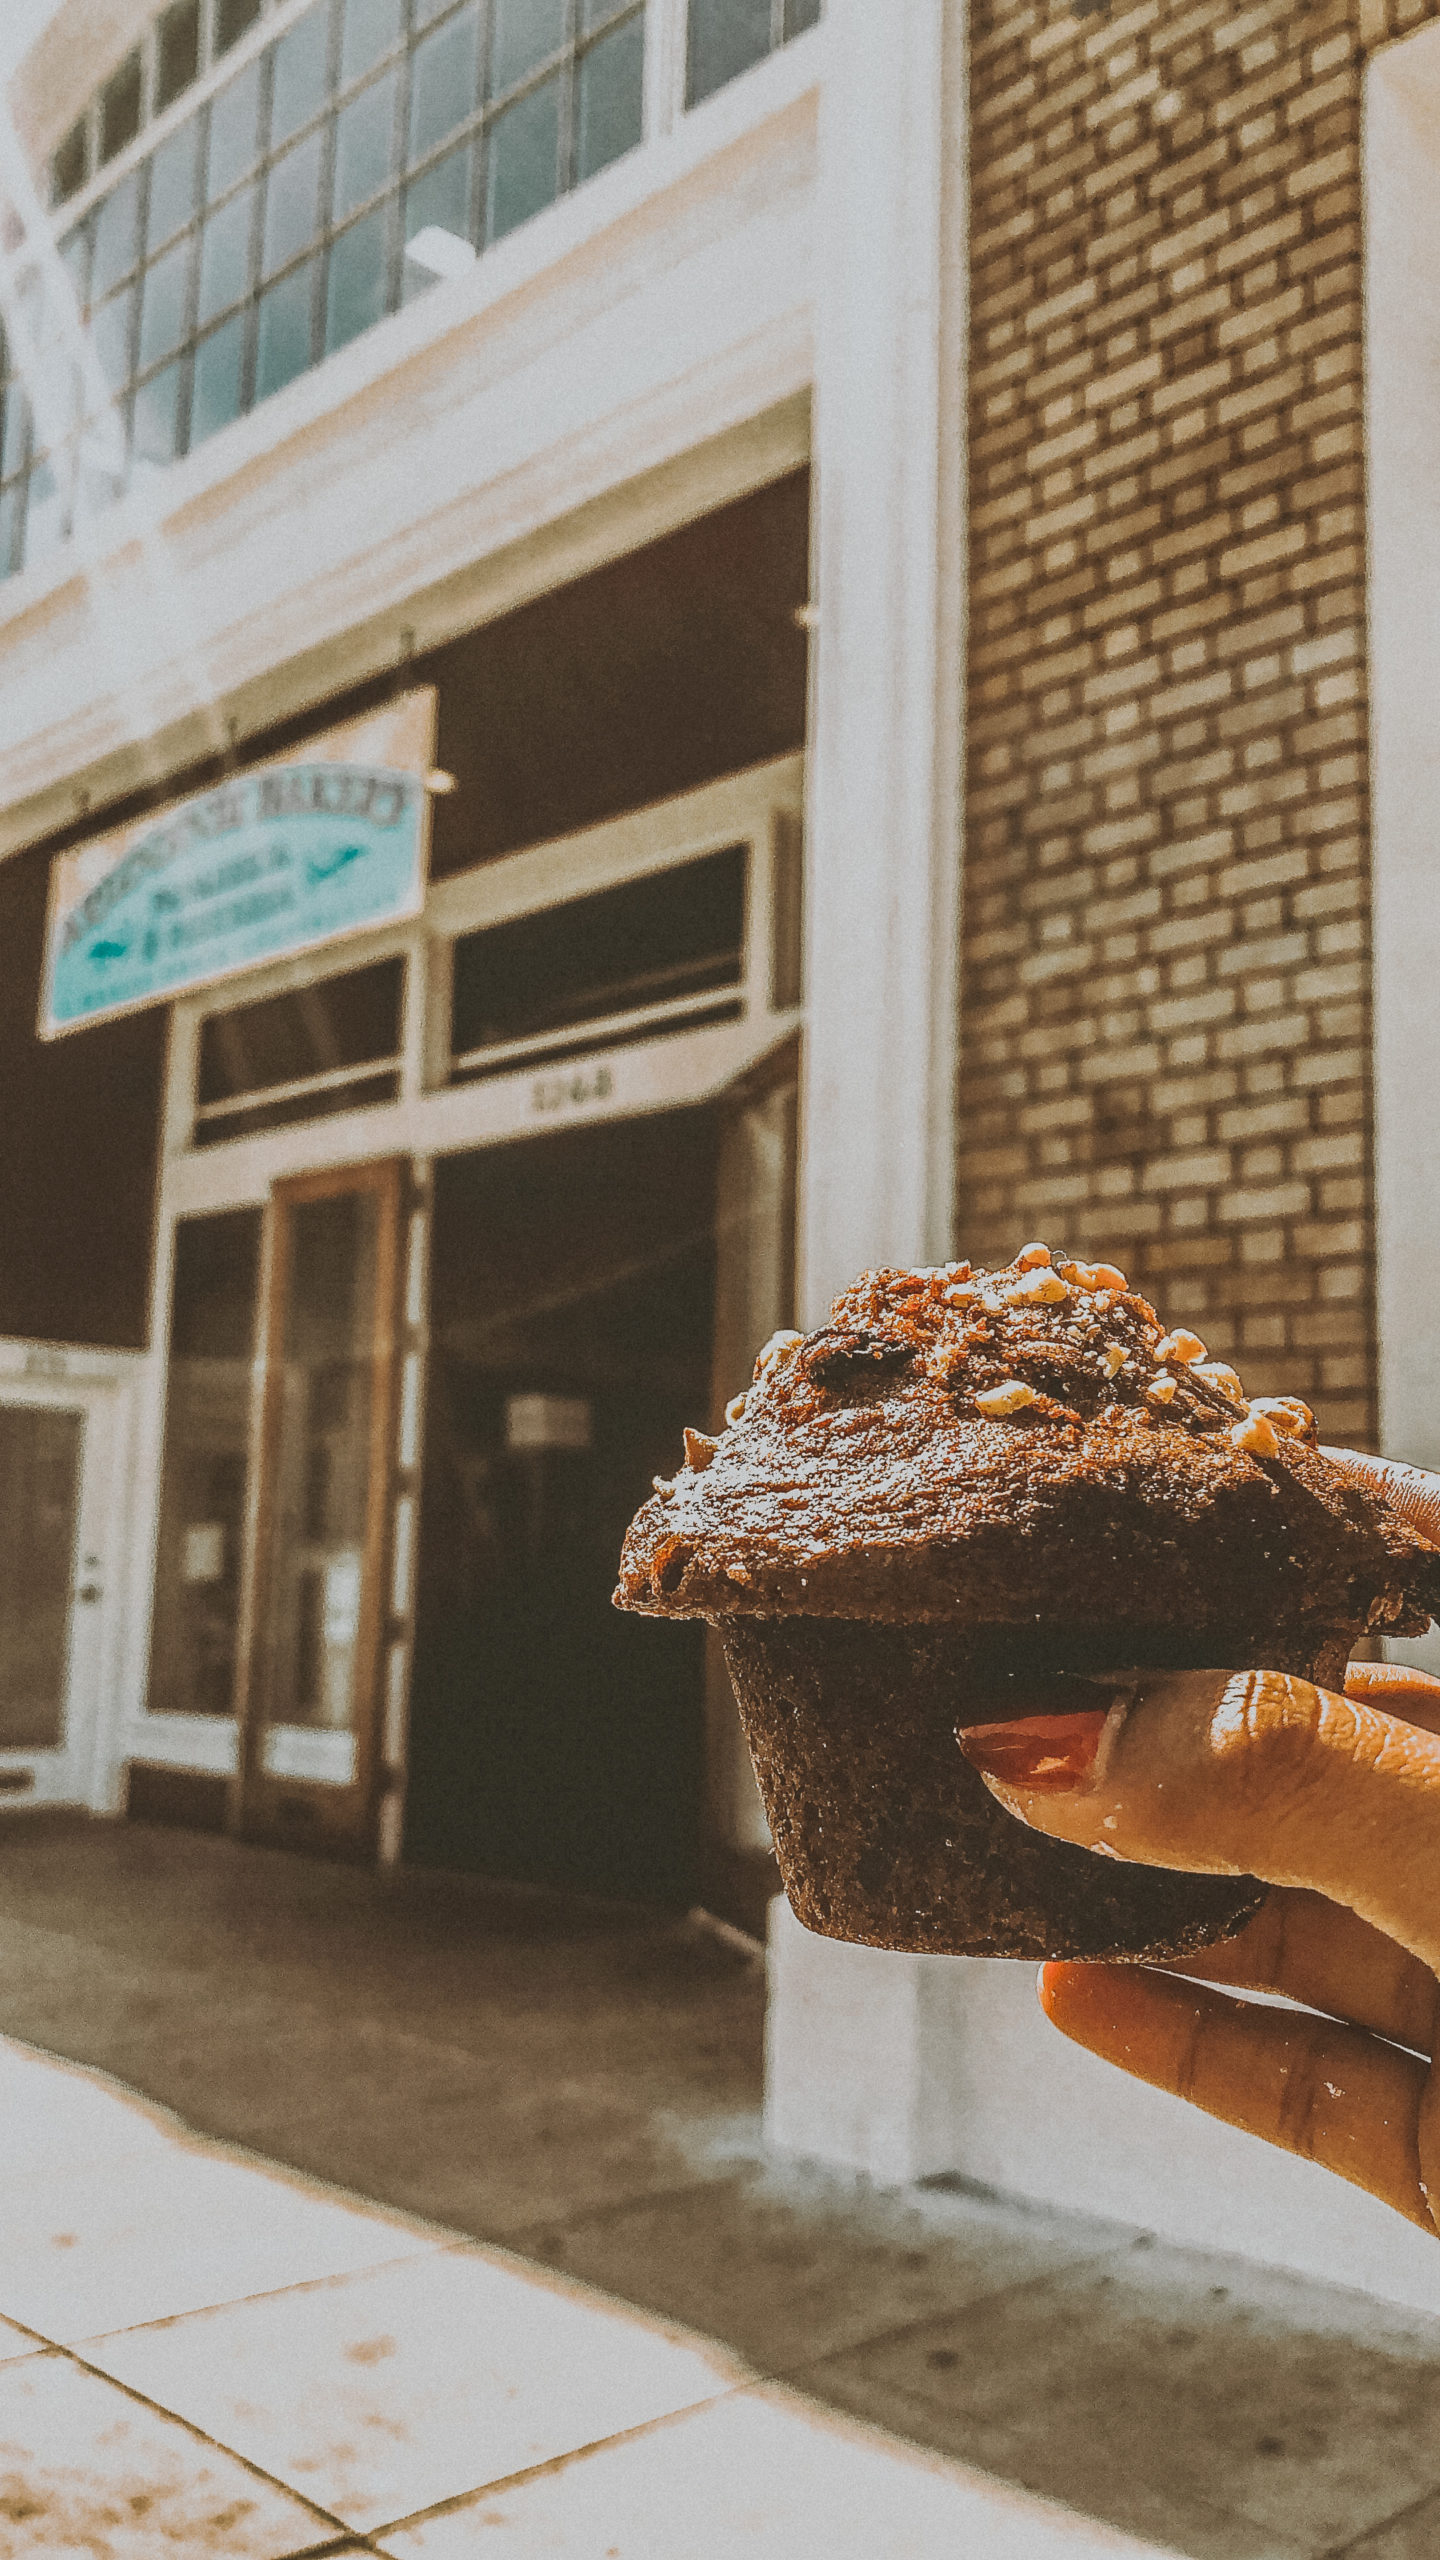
pixel 1045 1754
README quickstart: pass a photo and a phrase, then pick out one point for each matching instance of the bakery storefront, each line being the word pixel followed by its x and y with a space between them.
pixel 475 1183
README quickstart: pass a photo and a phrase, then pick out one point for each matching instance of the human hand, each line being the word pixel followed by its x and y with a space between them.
pixel 1335 1802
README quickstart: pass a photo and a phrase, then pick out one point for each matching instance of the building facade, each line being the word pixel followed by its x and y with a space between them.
pixel 896 549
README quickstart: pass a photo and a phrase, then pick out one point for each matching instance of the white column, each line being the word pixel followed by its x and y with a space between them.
pixel 858 2057
pixel 885 764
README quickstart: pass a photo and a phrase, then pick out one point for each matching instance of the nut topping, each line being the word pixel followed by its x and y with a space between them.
pixel 735 1411
pixel 1285 1414
pixel 1094 1275
pixel 1012 1397
pixel 1182 1346
pixel 1161 1389
pixel 1221 1375
pixel 1256 1437
pixel 699 1449
pixel 1040 1288
pixel 770 1352
pixel 1115 1358
pixel 1032 1257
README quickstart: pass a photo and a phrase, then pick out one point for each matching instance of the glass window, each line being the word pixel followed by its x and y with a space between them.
pixel 371 28
pixel 610 98
pixel 442 195
pixel 68 167
pixel 225 255
pixel 283 341
pixel 75 259
pixel 644 943
pixel 356 290
pixel 299 76
pixel 800 14
pixel 726 36
pixel 15 435
pixel 351 1020
pixel 116 228
pixel 44 513
pixel 157 417
pixel 234 131
pixel 232 17
pixel 595 13
pixel 523 166
pixel 172 186
pixel 217 395
pixel 177 51
pixel 164 311
pixel 112 330
pixel 11 504
pixel 203 1473
pixel 364 132
pixel 443 76
pixel 524 33
pixel 120 107
pixel 39 1499
pixel 292 203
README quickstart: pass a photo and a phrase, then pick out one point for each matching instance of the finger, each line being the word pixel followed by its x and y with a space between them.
pixel 1326 2092
pixel 1312 1951
pixel 1414 1491
pixel 1241 1773
pixel 1397 1691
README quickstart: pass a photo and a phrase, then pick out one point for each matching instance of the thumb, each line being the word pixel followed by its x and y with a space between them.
pixel 1238 1773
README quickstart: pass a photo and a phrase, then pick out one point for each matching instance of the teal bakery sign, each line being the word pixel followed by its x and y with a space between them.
pixel 269 863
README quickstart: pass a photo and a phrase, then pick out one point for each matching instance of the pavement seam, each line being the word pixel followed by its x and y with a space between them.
pixel 1383 2524
pixel 557 2462
pixel 342 2533
pixel 928 2319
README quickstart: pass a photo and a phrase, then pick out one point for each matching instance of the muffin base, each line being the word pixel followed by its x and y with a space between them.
pixel 887 1837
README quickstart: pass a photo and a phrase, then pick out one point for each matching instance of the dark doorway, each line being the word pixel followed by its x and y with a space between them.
pixel 554 1740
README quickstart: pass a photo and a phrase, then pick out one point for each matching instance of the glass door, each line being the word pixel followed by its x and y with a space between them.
pixel 309 1752
pixel 56 1452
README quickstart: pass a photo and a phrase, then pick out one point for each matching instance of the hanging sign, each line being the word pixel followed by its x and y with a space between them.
pixel 271 862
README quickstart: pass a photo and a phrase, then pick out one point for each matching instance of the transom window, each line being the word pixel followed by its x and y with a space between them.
pixel 724 37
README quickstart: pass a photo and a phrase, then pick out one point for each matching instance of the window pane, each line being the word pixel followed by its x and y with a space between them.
pixel 225 254
pixel 39 1498
pixel 371 27
pixel 115 236
pixel 163 311
pixel 524 160
pixel 203 1475
pixel 44 513
pixel 356 292
pixel 526 32
pixel 234 132
pixel 177 51
pixel 172 186
pixel 16 432
pixel 75 259
pixel 283 348
pixel 232 17
pixel 726 36
pixel 346 1021
pixel 291 203
pixel 610 84
pixel 157 412
pixel 442 195
pixel 443 74
pixel 11 501
pixel 219 374
pixel 422 11
pixel 800 14
pixel 300 82
pixel 111 331
pixel 363 134
pixel 594 13
pixel 67 169
pixel 120 107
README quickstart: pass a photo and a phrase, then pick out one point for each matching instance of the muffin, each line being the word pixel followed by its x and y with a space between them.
pixel 966 1484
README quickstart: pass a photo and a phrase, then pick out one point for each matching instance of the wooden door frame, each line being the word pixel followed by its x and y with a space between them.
pixel 340 1820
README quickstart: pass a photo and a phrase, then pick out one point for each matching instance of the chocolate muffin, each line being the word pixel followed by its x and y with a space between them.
pixel 967 1483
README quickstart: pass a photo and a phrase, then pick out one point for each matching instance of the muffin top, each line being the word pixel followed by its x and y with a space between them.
pixel 1006 1447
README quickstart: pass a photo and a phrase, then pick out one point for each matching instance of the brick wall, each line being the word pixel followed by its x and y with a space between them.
pixel 1166 950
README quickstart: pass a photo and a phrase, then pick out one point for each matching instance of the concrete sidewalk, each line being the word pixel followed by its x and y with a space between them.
pixel 537 2096
pixel 202 2355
